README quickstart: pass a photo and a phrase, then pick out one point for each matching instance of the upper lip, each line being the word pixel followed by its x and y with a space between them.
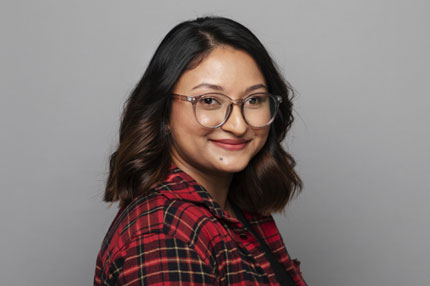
pixel 231 141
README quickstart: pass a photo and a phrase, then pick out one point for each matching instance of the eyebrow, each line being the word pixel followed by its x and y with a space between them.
pixel 217 87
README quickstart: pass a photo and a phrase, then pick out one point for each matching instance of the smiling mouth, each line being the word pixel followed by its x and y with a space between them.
pixel 231 144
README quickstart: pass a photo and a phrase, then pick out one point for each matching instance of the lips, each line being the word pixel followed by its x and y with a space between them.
pixel 231 144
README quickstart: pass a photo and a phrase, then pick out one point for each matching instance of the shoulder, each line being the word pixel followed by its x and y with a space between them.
pixel 150 257
pixel 159 216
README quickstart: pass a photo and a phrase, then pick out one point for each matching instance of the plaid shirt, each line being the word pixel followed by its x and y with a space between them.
pixel 178 235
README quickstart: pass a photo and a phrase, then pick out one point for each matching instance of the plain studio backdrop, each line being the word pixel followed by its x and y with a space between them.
pixel 361 135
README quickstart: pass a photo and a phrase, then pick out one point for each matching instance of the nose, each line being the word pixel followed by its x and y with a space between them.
pixel 235 123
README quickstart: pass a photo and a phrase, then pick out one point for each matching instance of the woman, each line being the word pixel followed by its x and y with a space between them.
pixel 200 168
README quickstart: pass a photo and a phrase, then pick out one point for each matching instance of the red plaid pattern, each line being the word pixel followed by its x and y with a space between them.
pixel 178 235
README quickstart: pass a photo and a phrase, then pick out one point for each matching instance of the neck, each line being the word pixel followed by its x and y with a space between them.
pixel 217 184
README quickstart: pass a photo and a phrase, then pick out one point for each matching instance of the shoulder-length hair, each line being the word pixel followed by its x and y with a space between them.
pixel 143 156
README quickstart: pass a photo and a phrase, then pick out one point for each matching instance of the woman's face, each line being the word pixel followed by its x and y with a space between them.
pixel 229 148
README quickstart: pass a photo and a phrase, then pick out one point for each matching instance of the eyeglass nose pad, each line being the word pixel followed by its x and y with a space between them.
pixel 229 109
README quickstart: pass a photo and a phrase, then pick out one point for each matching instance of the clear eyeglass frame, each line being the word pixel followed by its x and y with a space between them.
pixel 194 99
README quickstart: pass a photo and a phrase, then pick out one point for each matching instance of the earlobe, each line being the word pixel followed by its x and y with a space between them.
pixel 166 128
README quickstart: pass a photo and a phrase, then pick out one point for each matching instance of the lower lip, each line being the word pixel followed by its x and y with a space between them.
pixel 230 147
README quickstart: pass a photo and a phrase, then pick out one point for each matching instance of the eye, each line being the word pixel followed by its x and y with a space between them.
pixel 255 100
pixel 210 102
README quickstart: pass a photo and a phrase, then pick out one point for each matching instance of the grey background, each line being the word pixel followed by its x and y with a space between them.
pixel 361 137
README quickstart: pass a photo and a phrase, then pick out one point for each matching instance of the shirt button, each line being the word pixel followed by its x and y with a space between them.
pixel 243 235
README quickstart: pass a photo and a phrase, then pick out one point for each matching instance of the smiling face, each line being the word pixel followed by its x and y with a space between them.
pixel 229 148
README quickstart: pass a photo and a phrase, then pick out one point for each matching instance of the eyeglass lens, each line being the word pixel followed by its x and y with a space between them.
pixel 212 109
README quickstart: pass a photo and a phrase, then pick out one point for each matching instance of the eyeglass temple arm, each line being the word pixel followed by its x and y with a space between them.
pixel 184 97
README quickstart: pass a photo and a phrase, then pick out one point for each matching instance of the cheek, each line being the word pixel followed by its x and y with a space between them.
pixel 261 135
pixel 181 118
pixel 184 128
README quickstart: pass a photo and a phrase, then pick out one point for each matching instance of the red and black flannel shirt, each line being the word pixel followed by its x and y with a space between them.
pixel 178 235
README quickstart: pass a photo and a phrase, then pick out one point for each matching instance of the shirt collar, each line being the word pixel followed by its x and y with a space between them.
pixel 181 186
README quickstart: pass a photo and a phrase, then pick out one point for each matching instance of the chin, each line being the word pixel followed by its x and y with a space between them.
pixel 232 166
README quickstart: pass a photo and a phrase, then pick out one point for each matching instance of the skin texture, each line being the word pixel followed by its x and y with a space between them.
pixel 195 151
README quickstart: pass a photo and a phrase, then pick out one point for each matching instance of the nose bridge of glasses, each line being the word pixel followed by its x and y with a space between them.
pixel 239 101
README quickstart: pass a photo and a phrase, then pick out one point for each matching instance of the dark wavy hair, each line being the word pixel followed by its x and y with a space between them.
pixel 142 158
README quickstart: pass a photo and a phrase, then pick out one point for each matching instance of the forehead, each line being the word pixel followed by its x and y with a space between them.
pixel 230 69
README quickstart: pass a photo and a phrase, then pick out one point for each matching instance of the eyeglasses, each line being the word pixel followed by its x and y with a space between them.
pixel 212 110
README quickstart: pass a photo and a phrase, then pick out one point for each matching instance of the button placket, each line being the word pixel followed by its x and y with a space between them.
pixel 243 235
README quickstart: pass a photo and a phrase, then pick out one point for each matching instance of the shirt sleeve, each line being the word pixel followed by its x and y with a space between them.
pixel 158 259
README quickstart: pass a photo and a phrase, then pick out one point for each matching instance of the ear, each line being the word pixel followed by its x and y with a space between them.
pixel 166 127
